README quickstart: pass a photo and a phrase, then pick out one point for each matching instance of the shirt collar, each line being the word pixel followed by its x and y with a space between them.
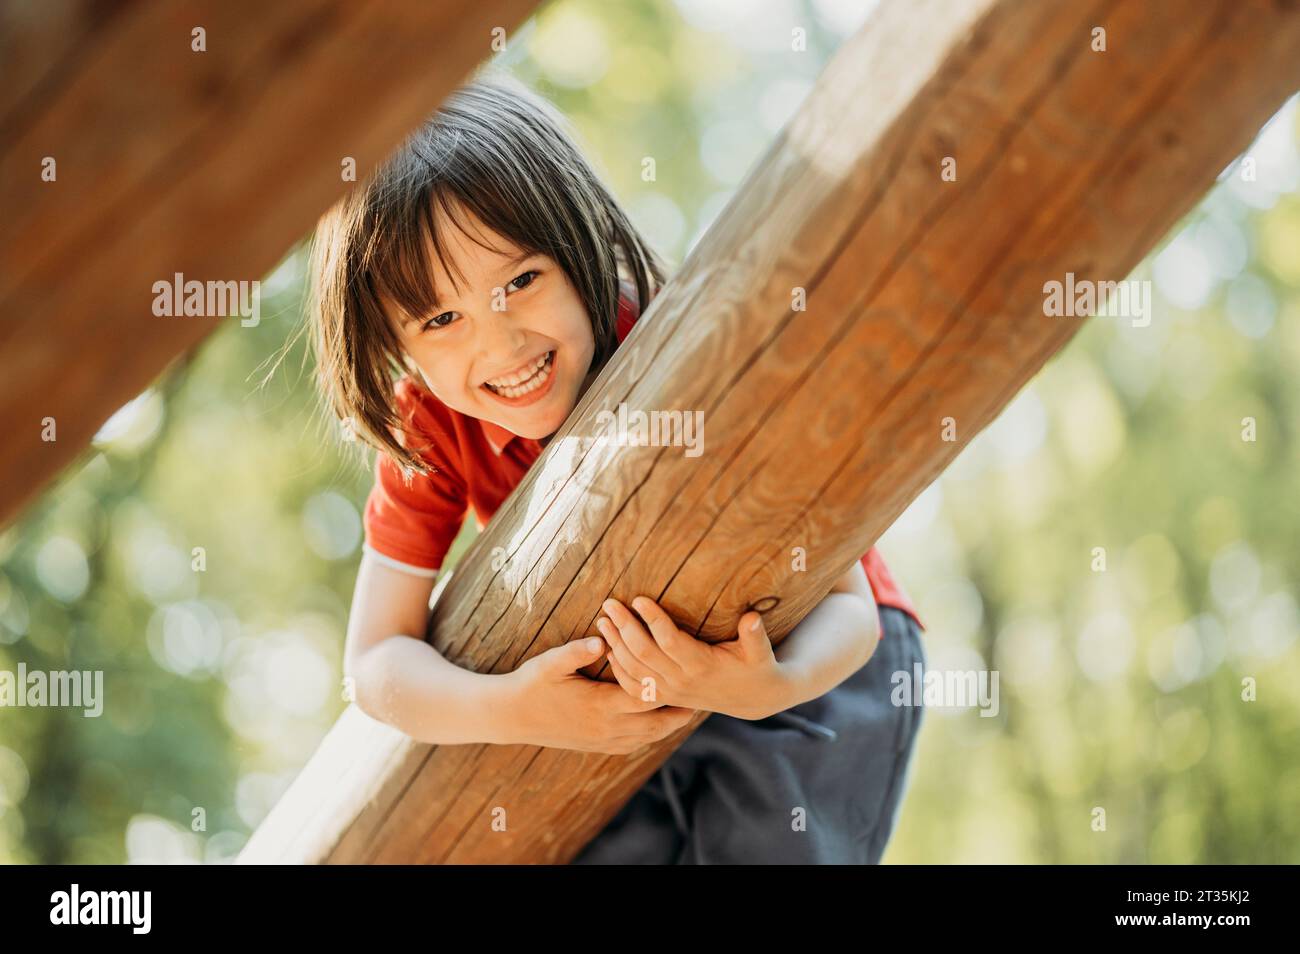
pixel 498 437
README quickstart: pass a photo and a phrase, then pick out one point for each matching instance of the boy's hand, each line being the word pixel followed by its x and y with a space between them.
pixel 655 661
pixel 551 704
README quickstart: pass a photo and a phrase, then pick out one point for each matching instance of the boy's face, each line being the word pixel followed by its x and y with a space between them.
pixel 514 346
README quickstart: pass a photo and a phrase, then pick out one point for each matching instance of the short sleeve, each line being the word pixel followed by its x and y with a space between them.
pixel 413 524
pixel 887 590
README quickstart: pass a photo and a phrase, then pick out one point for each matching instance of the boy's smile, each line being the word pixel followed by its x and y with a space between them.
pixel 526 384
pixel 511 342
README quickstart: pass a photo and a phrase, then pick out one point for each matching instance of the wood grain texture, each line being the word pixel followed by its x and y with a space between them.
pixel 925 301
pixel 210 164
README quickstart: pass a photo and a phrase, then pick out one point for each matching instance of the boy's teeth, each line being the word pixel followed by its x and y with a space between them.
pixel 533 377
pixel 511 380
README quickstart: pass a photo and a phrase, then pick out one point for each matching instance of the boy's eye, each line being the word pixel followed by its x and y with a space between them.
pixel 437 322
pixel 518 283
pixel 530 275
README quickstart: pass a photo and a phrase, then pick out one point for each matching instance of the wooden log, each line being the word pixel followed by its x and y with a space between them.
pixel 211 164
pixel 925 305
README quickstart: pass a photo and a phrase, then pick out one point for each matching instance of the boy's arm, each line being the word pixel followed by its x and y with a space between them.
pixel 403 681
pixel 831 643
pixel 395 673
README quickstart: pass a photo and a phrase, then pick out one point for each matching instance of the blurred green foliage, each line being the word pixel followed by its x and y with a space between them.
pixel 202 552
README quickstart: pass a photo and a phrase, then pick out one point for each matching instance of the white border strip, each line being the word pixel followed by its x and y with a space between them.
pixel 398 564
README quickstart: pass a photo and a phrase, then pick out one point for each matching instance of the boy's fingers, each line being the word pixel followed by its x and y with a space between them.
pixel 672 718
pixel 630 685
pixel 572 656
pixel 619 699
pixel 676 645
pixel 753 635
pixel 626 658
pixel 639 642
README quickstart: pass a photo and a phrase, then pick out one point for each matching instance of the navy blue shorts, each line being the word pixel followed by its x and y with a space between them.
pixel 820 783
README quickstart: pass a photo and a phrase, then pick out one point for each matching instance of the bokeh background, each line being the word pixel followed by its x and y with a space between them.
pixel 1119 689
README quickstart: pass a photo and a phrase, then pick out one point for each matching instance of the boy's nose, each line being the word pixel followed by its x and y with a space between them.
pixel 499 340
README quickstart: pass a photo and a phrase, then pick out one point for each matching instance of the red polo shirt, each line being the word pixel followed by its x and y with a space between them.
pixel 476 464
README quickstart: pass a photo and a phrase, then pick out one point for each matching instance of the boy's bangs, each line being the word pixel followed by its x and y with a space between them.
pixel 401 264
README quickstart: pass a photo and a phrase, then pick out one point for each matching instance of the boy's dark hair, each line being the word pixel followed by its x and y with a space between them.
pixel 503 152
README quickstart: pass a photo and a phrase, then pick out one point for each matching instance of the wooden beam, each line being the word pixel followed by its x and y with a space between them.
pixel 925 301
pixel 211 164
